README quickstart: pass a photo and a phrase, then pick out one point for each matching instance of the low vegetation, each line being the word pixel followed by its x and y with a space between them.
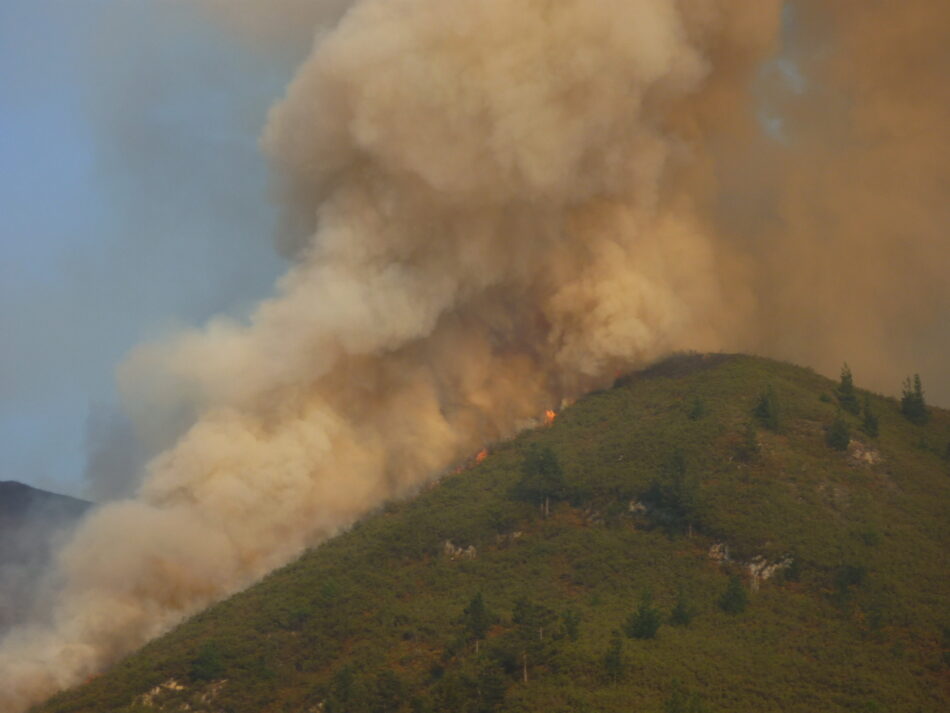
pixel 686 541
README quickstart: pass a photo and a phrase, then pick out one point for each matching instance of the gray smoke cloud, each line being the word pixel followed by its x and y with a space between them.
pixel 495 206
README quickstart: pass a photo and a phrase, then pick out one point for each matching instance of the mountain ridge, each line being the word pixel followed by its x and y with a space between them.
pixel 838 552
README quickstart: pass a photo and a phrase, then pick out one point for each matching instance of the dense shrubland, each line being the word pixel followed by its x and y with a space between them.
pixel 593 588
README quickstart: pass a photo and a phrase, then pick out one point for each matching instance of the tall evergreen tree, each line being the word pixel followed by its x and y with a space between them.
pixel 542 477
pixel 644 623
pixel 476 619
pixel 734 600
pixel 913 405
pixel 838 435
pixel 846 393
pixel 767 410
pixel 682 613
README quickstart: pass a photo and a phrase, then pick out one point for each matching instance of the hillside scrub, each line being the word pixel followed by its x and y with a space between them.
pixel 380 619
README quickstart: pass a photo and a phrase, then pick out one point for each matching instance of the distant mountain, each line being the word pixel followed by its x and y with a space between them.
pixel 32 521
pixel 722 535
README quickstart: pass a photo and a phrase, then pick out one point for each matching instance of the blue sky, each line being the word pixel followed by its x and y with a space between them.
pixel 133 198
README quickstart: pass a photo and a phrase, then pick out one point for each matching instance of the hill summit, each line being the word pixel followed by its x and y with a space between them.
pixel 715 533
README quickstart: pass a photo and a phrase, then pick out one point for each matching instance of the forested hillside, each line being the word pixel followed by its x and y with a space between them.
pixel 717 533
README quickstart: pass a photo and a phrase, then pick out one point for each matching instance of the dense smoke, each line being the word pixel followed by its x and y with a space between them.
pixel 496 205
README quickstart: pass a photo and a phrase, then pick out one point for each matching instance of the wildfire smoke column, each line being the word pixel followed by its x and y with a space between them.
pixel 493 206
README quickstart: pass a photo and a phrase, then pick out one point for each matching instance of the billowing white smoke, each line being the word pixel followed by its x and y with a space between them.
pixel 494 204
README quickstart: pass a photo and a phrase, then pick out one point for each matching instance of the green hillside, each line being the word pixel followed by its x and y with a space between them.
pixel 697 458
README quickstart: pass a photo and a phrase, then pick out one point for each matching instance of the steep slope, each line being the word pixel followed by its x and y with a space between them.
pixel 31 521
pixel 683 495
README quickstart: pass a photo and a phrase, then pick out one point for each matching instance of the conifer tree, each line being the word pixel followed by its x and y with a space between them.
pixel 644 623
pixel 913 405
pixel 846 394
pixel 476 619
pixel 767 410
pixel 542 477
pixel 735 599
pixel 838 435
pixel 682 613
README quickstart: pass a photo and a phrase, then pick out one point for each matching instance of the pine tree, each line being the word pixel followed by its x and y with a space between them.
pixel 913 405
pixel 869 422
pixel 644 623
pixel 735 599
pixel 838 435
pixel 846 394
pixel 542 477
pixel 682 613
pixel 571 622
pixel 476 618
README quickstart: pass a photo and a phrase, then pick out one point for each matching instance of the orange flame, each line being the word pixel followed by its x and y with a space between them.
pixel 549 417
pixel 481 455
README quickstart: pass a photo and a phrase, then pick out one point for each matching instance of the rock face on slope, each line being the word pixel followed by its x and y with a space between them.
pixel 32 521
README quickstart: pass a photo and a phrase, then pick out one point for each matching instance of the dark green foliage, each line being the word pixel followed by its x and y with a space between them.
pixel 532 619
pixel 476 617
pixel 793 573
pixel 869 420
pixel 698 409
pixel 614 659
pixel 913 405
pixel 683 701
pixel 682 613
pixel 838 435
pixel 542 478
pixel 208 664
pixel 571 624
pixel 735 599
pixel 767 410
pixel 847 397
pixel 946 453
pixel 376 615
pixel 848 578
pixel 676 493
pixel 644 623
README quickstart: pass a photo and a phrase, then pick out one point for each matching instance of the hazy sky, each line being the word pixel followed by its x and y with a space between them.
pixel 133 197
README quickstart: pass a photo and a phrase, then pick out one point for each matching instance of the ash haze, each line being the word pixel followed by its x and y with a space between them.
pixel 493 206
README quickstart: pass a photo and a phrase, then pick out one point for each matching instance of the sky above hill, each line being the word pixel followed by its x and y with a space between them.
pixel 133 198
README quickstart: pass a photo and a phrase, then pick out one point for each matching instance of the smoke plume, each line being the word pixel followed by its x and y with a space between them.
pixel 496 205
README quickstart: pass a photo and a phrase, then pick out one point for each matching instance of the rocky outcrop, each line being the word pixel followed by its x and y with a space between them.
pixel 452 552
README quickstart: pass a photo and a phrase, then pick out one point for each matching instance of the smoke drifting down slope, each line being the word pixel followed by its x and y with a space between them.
pixel 494 206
